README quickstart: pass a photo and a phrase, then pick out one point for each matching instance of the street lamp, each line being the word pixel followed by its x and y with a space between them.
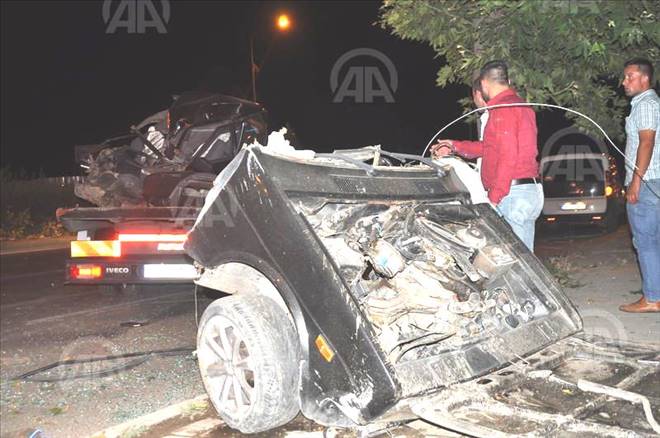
pixel 283 23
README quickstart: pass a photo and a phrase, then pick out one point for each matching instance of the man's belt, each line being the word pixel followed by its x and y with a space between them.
pixel 519 181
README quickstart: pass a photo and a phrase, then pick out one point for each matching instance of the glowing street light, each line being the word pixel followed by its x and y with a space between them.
pixel 283 22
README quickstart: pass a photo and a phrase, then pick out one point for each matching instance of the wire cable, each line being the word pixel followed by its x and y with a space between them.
pixel 196 308
pixel 544 105
pixel 138 358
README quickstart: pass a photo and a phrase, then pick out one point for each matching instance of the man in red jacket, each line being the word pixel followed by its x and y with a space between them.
pixel 509 169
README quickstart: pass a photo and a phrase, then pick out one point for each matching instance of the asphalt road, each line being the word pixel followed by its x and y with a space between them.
pixel 43 321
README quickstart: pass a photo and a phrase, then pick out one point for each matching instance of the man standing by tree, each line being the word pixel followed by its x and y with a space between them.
pixel 643 182
pixel 509 169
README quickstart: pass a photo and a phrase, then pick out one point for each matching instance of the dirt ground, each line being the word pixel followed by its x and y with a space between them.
pixel 77 323
pixel 599 273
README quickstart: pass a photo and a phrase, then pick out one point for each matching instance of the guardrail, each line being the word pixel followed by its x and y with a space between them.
pixel 61 180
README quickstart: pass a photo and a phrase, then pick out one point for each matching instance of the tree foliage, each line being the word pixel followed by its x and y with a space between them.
pixel 565 52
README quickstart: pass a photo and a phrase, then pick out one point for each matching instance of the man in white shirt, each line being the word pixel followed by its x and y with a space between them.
pixel 643 182
pixel 479 102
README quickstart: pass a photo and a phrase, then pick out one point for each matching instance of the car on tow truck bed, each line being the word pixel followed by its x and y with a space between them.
pixel 148 186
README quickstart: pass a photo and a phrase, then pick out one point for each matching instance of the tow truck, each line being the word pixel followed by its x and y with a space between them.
pixel 148 187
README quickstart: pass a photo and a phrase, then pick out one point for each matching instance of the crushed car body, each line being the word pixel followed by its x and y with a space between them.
pixel 386 294
pixel 176 150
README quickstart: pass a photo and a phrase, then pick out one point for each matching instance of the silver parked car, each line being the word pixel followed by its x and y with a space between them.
pixel 582 188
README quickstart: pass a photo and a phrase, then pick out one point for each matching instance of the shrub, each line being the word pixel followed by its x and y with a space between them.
pixel 28 205
pixel 16 224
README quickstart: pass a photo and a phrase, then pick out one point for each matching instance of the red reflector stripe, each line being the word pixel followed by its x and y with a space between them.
pixel 152 237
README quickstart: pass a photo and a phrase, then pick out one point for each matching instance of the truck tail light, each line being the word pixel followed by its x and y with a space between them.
pixel 86 272
pixel 169 246
pixel 609 190
pixel 152 237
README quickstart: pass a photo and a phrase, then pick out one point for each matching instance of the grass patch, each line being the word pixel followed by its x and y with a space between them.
pixel 134 432
pixel 58 410
pixel 195 408
pixel 563 270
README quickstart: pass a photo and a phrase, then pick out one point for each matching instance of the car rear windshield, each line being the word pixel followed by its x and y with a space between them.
pixel 577 170
pixel 573 177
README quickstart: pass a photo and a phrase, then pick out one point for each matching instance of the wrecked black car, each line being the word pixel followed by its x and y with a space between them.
pixel 365 294
pixel 171 157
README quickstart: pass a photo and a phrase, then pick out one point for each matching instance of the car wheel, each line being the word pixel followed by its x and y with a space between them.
pixel 248 357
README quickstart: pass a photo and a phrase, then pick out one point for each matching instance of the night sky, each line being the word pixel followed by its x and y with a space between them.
pixel 65 81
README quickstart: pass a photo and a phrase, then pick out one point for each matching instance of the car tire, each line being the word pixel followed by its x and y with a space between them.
pixel 248 356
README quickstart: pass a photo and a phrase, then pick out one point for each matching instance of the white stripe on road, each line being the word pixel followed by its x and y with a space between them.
pixel 31 274
pixel 106 308
pixel 42 300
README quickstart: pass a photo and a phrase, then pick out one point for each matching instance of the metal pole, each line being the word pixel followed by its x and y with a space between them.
pixel 253 69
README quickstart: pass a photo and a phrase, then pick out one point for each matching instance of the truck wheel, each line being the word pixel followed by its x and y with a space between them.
pixel 612 220
pixel 119 289
pixel 248 357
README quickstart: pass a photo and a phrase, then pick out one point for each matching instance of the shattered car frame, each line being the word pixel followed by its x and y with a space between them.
pixel 367 294
pixel 170 158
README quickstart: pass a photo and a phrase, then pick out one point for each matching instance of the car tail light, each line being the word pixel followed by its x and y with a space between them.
pixel 86 272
